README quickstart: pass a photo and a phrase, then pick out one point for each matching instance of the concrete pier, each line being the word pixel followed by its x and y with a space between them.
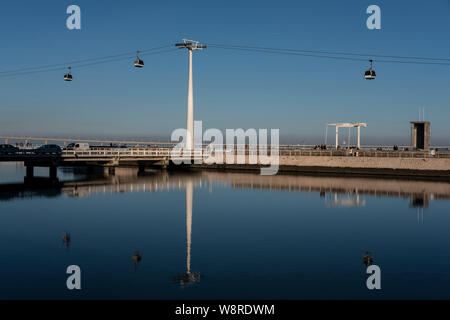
pixel 111 171
pixel 30 172
pixel 53 172
pixel 424 164
pixel 388 165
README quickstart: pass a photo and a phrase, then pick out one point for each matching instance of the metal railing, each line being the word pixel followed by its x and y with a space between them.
pixel 163 149
pixel 159 144
pixel 117 152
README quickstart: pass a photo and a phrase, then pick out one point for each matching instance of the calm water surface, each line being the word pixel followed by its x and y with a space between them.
pixel 209 235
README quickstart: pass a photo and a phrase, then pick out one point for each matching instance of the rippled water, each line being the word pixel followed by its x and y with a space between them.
pixel 222 235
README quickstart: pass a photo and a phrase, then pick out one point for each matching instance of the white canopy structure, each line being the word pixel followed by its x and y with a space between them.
pixel 348 125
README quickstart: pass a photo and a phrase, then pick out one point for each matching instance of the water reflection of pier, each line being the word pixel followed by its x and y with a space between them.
pixel 336 199
pixel 419 192
pixel 340 191
pixel 333 188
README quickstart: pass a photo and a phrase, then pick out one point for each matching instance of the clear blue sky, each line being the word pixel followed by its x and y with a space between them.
pixel 233 89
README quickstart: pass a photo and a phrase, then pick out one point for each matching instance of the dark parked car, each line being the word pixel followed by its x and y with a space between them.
pixel 49 149
pixel 8 149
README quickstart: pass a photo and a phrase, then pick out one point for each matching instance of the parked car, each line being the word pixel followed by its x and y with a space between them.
pixel 8 149
pixel 49 149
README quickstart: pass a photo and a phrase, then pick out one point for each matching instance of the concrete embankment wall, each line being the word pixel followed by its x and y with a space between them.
pixel 368 162
pixel 387 166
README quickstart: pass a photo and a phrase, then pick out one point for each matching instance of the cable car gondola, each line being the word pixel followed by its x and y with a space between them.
pixel 370 74
pixel 368 259
pixel 138 63
pixel 68 76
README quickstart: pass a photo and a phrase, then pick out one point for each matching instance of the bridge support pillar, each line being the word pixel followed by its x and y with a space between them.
pixel 53 172
pixel 165 163
pixel 111 171
pixel 30 172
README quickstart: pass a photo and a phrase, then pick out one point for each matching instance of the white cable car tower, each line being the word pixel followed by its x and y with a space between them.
pixel 190 45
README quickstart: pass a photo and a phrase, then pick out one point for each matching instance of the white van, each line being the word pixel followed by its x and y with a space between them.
pixel 82 146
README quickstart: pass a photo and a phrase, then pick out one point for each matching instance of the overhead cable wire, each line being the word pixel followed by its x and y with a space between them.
pixel 335 55
pixel 78 66
pixel 331 52
pixel 72 63
pixel 260 50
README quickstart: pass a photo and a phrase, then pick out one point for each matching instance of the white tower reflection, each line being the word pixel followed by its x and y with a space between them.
pixel 188 276
pixel 189 200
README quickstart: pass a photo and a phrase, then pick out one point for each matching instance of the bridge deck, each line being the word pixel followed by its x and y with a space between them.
pixel 103 156
pixel 100 156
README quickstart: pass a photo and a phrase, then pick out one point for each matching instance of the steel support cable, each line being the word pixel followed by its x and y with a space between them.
pixel 78 66
pixel 72 63
pixel 326 56
pixel 332 52
pixel 296 52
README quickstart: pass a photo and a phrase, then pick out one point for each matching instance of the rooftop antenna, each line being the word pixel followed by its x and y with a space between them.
pixel 421 113
pixel 190 45
pixel 349 140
